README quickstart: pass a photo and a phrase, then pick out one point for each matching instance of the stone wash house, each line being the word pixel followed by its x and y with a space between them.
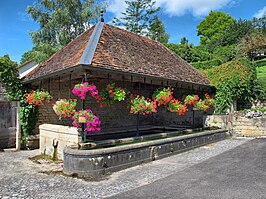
pixel 105 54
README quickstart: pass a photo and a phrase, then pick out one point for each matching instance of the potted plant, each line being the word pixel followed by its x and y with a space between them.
pixel 141 105
pixel 177 107
pixel 64 107
pixel 191 100
pixel 92 122
pixel 38 97
pixel 111 94
pixel 205 104
pixel 163 96
pixel 82 89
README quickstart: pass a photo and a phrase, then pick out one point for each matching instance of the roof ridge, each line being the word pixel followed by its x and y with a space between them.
pixel 90 49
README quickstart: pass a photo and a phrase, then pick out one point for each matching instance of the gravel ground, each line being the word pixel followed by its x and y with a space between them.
pixel 22 178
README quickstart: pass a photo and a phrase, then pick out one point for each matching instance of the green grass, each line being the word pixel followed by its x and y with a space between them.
pixel 261 72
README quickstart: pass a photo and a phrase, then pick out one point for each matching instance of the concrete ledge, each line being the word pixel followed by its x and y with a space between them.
pixel 94 163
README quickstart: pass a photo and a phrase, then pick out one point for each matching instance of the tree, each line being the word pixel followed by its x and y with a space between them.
pixel 60 21
pixel 260 24
pixel 39 53
pixel 236 32
pixel 213 27
pixel 138 16
pixel 184 40
pixel 157 31
pixel 233 80
pixel 253 45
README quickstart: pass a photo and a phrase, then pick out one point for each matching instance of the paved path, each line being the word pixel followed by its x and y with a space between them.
pixel 239 173
pixel 22 178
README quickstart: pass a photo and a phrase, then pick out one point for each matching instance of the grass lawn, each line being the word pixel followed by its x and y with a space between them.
pixel 261 72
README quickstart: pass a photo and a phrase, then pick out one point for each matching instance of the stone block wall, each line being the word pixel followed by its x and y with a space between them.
pixel 239 126
pixel 249 126
pixel 50 134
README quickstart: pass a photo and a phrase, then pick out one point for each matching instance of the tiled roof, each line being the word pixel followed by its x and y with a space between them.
pixel 118 49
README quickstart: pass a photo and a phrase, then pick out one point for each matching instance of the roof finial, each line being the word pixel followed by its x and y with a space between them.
pixel 101 18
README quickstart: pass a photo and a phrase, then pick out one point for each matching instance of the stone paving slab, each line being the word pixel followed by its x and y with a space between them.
pixel 22 178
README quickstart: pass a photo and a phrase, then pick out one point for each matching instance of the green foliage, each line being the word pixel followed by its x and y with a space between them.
pixel 261 63
pixel 39 53
pixel 60 22
pixel 233 80
pixel 189 52
pixel 213 27
pixel 138 16
pixel 9 78
pixel 224 53
pixel 203 65
pixel 236 32
pixel 260 24
pixel 253 44
pixel 157 31
pixel 15 91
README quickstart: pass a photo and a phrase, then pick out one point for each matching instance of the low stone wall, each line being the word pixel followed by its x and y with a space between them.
pixel 238 125
pixel 50 134
pixel 249 126
pixel 95 163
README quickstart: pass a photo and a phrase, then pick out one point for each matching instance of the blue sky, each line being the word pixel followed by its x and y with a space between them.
pixel 180 17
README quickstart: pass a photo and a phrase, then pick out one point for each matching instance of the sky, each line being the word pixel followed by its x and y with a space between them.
pixel 180 17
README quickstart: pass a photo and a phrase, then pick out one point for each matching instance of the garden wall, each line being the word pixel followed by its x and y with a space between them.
pixel 116 115
pixel 238 125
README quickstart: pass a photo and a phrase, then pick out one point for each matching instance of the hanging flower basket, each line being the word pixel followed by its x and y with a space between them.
pixel 163 96
pixel 204 105
pixel 38 97
pixel 191 100
pixel 92 122
pixel 111 94
pixel 142 105
pixel 64 107
pixel 82 89
pixel 176 106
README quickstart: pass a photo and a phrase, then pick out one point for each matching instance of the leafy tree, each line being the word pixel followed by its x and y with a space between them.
pixel 224 53
pixel 184 40
pixel 233 80
pixel 157 31
pixel 213 27
pixel 39 53
pixel 138 16
pixel 9 77
pixel 236 32
pixel 60 21
pixel 253 45
pixel 260 24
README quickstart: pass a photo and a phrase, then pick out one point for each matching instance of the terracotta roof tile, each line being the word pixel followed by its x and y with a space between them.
pixel 121 50
pixel 67 57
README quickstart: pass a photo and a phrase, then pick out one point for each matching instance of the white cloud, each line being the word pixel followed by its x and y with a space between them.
pixel 176 7
pixel 260 13
pixel 116 7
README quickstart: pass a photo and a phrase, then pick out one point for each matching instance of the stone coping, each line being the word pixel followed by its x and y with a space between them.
pixel 74 151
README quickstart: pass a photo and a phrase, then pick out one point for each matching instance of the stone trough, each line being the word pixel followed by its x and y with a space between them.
pixel 97 162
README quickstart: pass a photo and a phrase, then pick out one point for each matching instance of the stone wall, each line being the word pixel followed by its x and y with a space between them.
pixel 57 134
pixel 7 124
pixel 239 126
pixel 116 115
